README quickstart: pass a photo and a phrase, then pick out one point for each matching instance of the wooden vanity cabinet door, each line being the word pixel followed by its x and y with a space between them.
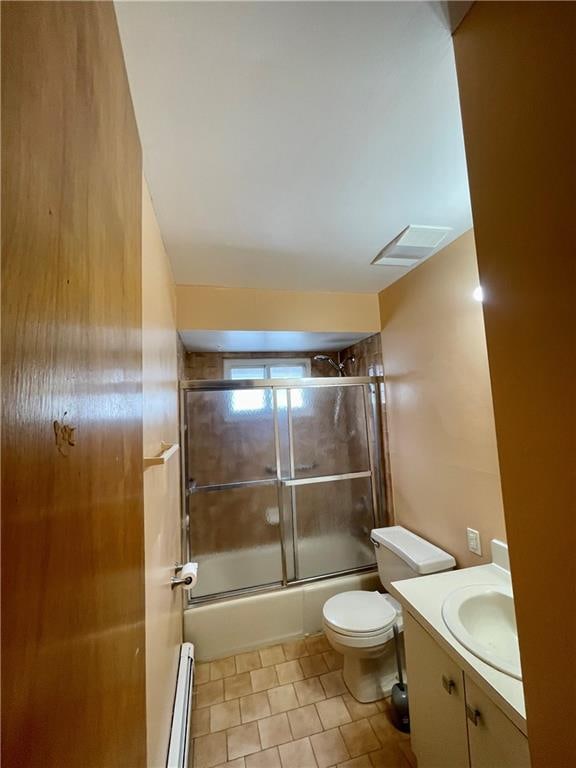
pixel 494 739
pixel 436 696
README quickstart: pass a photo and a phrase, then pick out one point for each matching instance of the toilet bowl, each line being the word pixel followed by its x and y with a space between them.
pixel 359 624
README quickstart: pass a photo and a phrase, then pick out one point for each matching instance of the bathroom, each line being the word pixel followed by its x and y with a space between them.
pixel 287 446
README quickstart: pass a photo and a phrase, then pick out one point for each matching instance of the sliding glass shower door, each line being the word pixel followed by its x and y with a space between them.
pixel 282 480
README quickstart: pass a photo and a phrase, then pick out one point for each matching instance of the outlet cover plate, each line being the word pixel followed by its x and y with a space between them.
pixel 474 544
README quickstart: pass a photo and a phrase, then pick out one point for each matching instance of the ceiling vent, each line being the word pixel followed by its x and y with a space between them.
pixel 411 246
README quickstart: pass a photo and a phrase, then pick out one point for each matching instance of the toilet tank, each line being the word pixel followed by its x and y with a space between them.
pixel 401 554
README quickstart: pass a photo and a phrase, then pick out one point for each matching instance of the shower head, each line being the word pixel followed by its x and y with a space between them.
pixel 338 367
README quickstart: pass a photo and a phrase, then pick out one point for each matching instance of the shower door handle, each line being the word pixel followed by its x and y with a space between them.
pixel 191 487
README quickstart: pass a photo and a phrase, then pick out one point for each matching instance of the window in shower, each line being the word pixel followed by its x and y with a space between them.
pixel 282 479
pixel 246 401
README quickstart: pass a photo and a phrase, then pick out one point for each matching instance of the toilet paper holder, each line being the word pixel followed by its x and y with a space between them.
pixel 176 581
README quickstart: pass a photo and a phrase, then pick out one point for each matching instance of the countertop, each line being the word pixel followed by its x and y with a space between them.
pixel 422 598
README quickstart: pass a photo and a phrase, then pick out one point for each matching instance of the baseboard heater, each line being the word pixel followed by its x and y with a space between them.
pixel 179 746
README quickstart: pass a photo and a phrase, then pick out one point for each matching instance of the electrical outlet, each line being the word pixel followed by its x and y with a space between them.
pixel 474 544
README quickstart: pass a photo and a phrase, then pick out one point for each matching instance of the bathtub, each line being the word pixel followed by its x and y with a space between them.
pixel 238 624
pixel 261 565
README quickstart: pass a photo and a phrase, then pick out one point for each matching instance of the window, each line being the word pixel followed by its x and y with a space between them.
pixel 251 400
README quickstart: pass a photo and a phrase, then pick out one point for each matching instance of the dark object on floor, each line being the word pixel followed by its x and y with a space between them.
pixel 399 700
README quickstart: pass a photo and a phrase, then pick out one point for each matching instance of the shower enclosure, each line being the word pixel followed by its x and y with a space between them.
pixel 282 480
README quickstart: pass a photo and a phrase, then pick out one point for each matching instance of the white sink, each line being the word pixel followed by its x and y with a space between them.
pixel 481 617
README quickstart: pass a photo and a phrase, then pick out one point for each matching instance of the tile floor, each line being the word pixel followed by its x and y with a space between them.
pixel 286 706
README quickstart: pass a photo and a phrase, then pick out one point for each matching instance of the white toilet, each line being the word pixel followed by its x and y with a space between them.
pixel 359 624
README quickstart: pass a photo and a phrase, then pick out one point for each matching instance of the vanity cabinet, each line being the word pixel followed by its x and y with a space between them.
pixel 454 724
pixel 437 704
pixel 494 740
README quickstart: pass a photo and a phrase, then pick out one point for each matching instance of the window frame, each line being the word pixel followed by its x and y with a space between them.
pixel 267 363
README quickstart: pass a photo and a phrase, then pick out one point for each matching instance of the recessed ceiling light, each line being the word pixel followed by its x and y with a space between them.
pixel 414 243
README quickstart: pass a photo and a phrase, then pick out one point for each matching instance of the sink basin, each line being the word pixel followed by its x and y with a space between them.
pixel 481 617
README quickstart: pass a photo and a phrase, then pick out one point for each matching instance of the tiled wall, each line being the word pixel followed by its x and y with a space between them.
pixel 210 365
pixel 368 354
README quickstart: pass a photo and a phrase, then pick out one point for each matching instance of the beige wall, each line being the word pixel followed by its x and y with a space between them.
pixel 161 484
pixel 516 75
pixel 442 442
pixel 247 309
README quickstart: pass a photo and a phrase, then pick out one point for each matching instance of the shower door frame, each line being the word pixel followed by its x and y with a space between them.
pixel 373 398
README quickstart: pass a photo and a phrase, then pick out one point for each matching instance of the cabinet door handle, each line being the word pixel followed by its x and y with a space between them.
pixel 448 685
pixel 473 715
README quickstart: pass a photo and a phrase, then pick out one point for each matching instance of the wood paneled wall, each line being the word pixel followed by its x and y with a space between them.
pixel 517 79
pixel 73 666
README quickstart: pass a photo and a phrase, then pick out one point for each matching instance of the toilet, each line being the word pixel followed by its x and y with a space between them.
pixel 359 624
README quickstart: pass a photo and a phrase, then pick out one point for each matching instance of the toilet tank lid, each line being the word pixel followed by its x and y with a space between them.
pixel 420 555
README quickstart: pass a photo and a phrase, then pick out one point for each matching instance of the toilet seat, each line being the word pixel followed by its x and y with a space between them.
pixel 360 614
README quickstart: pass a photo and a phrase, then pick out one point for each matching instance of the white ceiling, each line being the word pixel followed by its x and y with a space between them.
pixel 286 143
pixel 268 341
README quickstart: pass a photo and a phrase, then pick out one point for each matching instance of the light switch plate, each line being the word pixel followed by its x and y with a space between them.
pixel 474 544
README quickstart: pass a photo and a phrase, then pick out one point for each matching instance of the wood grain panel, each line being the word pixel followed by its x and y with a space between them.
pixel 517 79
pixel 73 669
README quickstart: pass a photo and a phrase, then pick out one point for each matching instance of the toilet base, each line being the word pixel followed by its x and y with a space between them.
pixel 371 678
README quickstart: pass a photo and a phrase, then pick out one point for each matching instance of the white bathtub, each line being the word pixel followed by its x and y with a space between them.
pixel 243 623
pixel 225 571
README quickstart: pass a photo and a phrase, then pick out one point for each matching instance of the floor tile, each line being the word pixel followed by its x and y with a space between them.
pixel 359 738
pixel 297 754
pixel 245 662
pixel 262 679
pixel 272 655
pixel 223 716
pixel 242 740
pixel 209 750
pixel 289 672
pixel 201 673
pixel 282 698
pixel 269 758
pixel 406 751
pixel 254 707
pixel 309 691
pixel 384 729
pixel 332 712
pixel 313 665
pixel 210 693
pixel 357 762
pixel 200 722
pixel 358 710
pixel 333 684
pixel 239 685
pixel 388 757
pixel 304 721
pixel 317 644
pixel 329 748
pixel 238 763
pixel 222 668
pixel 333 660
pixel 295 650
pixel 274 730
